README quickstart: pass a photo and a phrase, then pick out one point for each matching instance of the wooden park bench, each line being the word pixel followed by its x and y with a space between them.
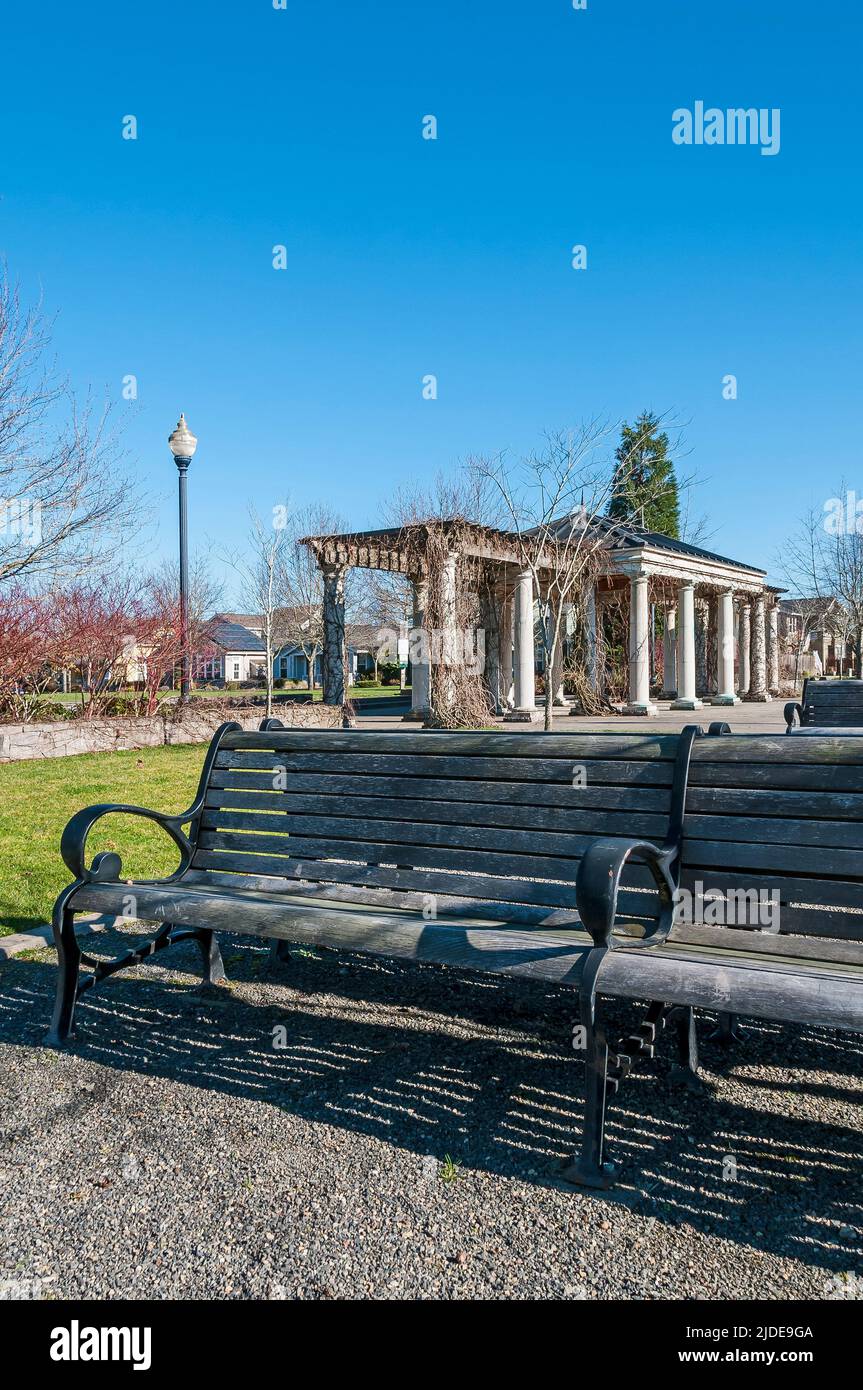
pixel 826 704
pixel 494 852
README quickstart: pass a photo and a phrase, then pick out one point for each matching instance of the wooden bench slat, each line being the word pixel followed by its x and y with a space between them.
pixel 652 772
pixel 773 858
pixel 531 793
pixel 541 892
pixel 488 814
pixel 433 744
pixel 764 943
pixel 796 990
pixel 280 830
pixel 271 857
pixel 768 776
pixel 823 805
pixel 776 832
pixel 743 749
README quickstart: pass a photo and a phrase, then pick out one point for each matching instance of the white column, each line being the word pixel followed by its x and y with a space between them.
pixel 773 649
pixel 686 649
pixel 725 651
pixel 523 657
pixel 758 680
pixel 419 654
pixel 743 642
pixel 639 651
pixel 669 655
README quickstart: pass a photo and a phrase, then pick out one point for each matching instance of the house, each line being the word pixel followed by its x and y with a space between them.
pixel 814 631
pixel 238 653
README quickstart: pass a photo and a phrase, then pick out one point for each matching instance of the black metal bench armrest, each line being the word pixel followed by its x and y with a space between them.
pixel 108 865
pixel 793 711
pixel 598 882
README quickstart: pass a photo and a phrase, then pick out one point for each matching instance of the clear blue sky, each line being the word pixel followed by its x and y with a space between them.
pixel 302 126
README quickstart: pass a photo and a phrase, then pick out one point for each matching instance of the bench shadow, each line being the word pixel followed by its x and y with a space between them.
pixel 504 1099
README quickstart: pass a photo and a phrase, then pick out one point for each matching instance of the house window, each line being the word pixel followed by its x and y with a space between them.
pixel 283 668
pixel 236 670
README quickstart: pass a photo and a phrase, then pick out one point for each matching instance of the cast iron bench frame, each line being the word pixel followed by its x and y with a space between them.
pixel 597 887
pixel 813 711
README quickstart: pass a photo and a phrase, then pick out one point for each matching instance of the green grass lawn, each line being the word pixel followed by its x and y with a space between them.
pixel 355 692
pixel 38 797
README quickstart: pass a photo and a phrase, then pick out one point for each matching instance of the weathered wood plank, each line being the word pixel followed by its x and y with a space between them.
pixel 652 772
pixel 274 861
pixel 732 801
pixel 698 975
pixel 770 776
pixel 765 944
pixel 487 743
pixel 809 906
pixel 773 831
pixel 298 809
pixel 277 833
pixel 531 793
pixel 778 748
pixel 639 902
pixel 775 858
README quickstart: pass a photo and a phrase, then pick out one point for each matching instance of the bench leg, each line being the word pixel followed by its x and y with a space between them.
pixel 214 969
pixel 69 959
pixel 685 1071
pixel 592 1167
pixel 280 951
pixel 728 1030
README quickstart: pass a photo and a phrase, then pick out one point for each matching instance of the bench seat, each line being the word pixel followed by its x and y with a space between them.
pixel 820 981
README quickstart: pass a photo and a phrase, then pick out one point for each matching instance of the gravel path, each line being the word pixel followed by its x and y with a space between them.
pixel 177 1151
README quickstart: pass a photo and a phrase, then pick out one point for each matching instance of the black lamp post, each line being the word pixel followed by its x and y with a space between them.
pixel 183 445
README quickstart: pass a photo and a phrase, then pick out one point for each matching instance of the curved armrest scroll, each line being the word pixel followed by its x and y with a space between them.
pixel 108 866
pixel 793 712
pixel 598 883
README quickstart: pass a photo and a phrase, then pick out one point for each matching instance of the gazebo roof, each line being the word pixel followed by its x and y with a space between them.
pixel 400 548
pixel 629 537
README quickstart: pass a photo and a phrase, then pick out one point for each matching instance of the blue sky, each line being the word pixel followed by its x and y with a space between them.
pixel 406 257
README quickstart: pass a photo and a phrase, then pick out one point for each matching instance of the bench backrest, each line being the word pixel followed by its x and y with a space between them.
pixel 494 816
pixel 832 703
pixel 770 814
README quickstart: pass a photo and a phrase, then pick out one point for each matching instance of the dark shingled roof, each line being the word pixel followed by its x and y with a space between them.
pixel 628 537
pixel 232 637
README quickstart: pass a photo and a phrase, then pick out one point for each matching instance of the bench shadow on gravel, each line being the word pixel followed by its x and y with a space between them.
pixel 479 1068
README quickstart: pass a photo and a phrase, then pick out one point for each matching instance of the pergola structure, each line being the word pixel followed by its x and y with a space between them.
pixel 721 636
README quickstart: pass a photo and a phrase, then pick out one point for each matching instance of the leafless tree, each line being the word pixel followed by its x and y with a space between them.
pixel 822 562
pixel 303 586
pixel 67 497
pixel 263 573
pixel 556 502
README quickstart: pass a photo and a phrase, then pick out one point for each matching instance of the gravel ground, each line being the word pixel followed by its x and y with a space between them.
pixel 403 1142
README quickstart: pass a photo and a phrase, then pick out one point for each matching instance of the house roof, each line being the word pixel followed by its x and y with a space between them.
pixel 233 637
pixel 243 619
pixel 815 608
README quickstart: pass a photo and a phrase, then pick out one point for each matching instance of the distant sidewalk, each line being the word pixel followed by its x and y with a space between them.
pixel 743 719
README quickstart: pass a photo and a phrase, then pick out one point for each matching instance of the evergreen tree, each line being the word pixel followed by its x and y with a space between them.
pixel 645 488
